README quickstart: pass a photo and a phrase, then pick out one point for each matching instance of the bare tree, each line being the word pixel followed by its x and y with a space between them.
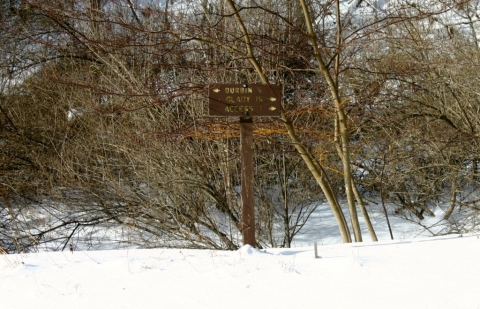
pixel 103 110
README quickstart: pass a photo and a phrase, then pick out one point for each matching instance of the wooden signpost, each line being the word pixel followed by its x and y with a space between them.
pixel 246 101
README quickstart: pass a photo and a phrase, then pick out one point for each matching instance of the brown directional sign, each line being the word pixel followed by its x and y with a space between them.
pixel 238 100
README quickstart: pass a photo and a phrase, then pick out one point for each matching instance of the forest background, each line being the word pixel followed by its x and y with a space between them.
pixel 104 117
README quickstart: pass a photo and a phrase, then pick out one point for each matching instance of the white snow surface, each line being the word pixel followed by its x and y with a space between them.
pixel 421 272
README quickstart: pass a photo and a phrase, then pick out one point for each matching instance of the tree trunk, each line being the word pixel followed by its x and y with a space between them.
pixel 343 142
pixel 336 209
pixel 453 198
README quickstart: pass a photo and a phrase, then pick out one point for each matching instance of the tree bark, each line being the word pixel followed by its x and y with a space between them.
pixel 342 143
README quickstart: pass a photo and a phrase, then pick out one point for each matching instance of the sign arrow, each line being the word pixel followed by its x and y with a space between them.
pixel 272 99
pixel 272 108
pixel 216 90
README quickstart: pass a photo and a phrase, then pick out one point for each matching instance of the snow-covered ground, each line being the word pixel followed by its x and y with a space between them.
pixel 408 272
pixel 322 228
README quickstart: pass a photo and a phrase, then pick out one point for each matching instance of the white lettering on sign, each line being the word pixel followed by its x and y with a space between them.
pixel 239 109
pixel 239 90
pixel 239 99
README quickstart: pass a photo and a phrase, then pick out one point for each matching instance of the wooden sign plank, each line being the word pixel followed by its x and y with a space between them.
pixel 240 100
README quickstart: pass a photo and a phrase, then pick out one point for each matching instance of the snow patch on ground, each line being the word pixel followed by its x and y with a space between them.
pixel 439 272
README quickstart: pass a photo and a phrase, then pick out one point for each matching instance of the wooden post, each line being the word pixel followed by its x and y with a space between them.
pixel 248 213
pixel 246 101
